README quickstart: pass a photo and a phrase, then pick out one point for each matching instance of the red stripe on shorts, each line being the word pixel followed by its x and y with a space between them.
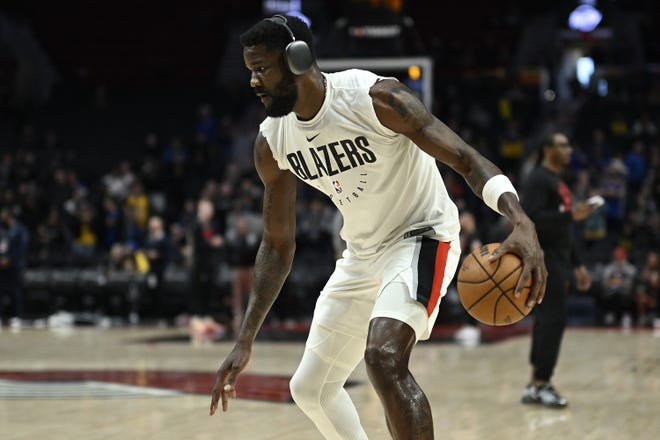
pixel 441 254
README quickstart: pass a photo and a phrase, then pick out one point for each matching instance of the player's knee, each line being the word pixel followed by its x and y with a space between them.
pixel 303 392
pixel 381 362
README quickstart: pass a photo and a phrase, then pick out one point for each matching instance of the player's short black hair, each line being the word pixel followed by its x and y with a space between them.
pixel 275 36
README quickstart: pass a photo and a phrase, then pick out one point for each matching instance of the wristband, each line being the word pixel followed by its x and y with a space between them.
pixel 494 188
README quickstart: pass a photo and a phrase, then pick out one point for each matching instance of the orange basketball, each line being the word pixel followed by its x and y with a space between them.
pixel 487 289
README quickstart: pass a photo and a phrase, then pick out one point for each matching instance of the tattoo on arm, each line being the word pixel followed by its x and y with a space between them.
pixel 398 105
pixel 271 270
pixel 411 110
pixel 272 266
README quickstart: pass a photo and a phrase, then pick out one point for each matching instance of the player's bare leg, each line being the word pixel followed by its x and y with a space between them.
pixel 407 409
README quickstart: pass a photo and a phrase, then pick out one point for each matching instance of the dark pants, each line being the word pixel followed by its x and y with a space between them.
pixel 11 290
pixel 550 316
pixel 619 302
pixel 154 283
pixel 201 291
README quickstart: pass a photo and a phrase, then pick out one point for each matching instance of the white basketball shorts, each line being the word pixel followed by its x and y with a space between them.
pixel 404 282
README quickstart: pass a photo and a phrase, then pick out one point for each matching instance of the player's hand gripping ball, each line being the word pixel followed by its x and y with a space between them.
pixel 487 289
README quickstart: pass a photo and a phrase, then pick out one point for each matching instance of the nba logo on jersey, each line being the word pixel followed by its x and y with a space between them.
pixel 337 186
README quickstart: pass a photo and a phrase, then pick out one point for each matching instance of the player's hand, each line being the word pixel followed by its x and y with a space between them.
pixel 225 382
pixel 523 242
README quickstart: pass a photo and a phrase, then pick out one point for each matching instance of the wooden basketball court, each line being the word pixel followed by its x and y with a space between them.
pixel 150 383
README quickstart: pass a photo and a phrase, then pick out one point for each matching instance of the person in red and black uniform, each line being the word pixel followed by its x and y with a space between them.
pixel 548 202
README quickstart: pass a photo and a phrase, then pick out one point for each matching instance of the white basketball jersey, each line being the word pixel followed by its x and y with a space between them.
pixel 382 183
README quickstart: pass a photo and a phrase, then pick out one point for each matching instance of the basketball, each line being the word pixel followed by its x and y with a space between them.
pixel 487 289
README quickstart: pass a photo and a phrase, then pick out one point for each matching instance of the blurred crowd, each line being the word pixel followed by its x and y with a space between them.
pixel 194 202
pixel 185 205
pixel 616 154
pixel 191 202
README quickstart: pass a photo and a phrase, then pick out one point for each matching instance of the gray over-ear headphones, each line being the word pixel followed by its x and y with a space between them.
pixel 297 53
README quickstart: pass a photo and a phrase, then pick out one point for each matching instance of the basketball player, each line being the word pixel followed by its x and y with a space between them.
pixel 548 201
pixel 370 145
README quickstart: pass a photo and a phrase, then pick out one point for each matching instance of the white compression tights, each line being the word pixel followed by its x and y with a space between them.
pixel 317 386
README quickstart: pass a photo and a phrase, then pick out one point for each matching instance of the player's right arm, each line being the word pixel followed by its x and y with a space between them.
pixel 278 243
pixel 272 265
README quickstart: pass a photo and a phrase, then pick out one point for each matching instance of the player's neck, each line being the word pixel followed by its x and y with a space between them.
pixel 311 95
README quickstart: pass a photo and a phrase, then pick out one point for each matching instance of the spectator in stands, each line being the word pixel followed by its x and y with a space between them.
pixel 206 124
pixel 175 166
pixel 112 223
pixel 613 190
pixel 175 158
pixel 158 250
pixel 14 238
pixel 59 189
pixel 314 236
pixel 29 195
pixel 199 165
pixel 85 233
pixel 645 128
pixel 120 258
pixel 617 300
pixel 53 240
pixel 225 139
pixel 138 202
pixel 136 213
pixel 635 161
pixel 599 150
pixel 206 245
pixel 181 248
pixel 647 291
pixel 242 245
pixel 151 148
pixel 619 129
pixel 118 182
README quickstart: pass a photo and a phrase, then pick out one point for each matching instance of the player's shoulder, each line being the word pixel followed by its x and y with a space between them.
pixel 270 124
pixel 353 79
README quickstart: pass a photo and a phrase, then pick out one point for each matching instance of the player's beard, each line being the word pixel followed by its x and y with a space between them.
pixel 284 97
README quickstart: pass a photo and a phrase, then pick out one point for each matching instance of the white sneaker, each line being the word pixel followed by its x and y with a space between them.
pixel 60 319
pixel 15 323
pixel 626 322
pixel 468 335
pixel 609 319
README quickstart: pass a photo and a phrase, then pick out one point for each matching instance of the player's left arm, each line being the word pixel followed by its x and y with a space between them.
pixel 398 109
